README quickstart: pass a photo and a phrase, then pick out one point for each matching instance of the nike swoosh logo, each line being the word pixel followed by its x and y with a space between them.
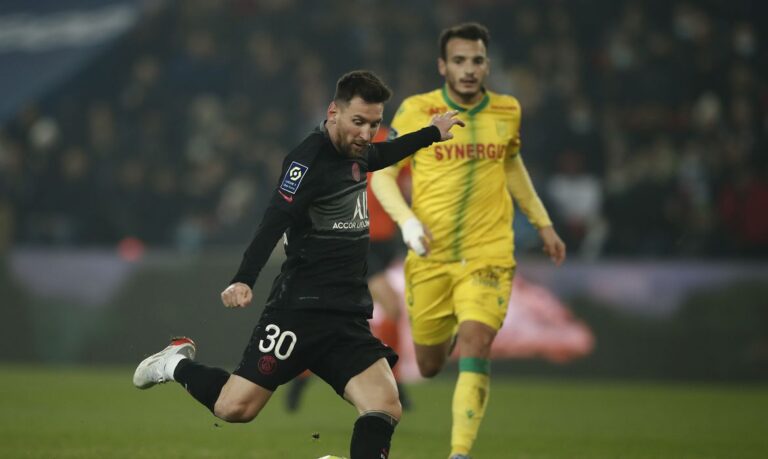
pixel 285 196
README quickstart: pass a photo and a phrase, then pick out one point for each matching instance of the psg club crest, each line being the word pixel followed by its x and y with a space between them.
pixel 356 172
pixel 267 364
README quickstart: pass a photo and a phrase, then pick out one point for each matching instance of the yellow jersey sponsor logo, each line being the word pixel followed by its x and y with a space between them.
pixel 470 151
pixel 432 111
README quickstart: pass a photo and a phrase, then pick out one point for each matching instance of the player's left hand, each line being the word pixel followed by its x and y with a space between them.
pixel 554 247
pixel 444 122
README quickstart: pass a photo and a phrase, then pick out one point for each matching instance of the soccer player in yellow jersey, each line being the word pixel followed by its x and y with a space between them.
pixel 459 227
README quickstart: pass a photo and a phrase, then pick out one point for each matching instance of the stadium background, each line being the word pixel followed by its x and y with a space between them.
pixel 139 141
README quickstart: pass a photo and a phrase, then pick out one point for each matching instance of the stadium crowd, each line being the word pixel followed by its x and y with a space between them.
pixel 645 124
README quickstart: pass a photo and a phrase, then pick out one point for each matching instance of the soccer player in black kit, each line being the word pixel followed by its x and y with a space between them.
pixel 316 315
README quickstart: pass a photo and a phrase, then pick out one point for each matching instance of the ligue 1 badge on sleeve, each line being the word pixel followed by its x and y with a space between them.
pixel 293 177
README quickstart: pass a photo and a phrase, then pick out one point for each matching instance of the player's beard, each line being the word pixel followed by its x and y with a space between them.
pixel 348 148
pixel 357 149
pixel 338 142
pixel 466 96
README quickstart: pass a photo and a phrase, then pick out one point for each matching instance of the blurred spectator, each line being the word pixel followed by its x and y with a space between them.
pixel 577 198
pixel 646 120
pixel 742 205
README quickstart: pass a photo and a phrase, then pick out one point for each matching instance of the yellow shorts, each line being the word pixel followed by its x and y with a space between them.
pixel 439 296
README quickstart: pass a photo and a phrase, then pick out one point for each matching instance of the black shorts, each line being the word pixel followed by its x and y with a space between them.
pixel 336 346
pixel 381 254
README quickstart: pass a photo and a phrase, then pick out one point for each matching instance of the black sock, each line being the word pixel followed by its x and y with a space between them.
pixel 203 383
pixel 372 436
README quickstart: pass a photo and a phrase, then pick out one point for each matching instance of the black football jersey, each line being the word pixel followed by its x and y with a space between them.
pixel 320 207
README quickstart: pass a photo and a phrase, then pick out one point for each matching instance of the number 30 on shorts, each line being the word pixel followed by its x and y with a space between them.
pixel 276 340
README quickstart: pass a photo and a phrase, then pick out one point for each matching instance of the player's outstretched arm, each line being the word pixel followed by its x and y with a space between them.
pixel 385 154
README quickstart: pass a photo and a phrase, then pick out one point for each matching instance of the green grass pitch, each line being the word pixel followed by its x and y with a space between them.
pixel 96 413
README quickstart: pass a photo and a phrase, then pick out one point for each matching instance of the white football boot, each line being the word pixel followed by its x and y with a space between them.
pixel 155 369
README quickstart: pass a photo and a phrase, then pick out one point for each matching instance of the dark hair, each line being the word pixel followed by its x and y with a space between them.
pixel 467 31
pixel 362 83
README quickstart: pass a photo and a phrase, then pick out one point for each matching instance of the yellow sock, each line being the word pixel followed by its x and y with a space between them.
pixel 469 401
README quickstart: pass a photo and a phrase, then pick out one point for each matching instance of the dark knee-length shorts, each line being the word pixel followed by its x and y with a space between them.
pixel 336 346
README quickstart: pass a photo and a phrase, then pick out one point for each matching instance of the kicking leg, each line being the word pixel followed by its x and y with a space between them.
pixel 230 397
pixel 240 400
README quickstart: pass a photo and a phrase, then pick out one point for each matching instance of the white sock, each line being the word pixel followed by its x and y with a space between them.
pixel 170 365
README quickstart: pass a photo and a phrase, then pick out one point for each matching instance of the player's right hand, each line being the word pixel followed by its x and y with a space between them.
pixel 445 122
pixel 237 295
pixel 416 236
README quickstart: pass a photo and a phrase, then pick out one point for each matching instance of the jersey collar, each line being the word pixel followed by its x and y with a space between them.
pixel 470 111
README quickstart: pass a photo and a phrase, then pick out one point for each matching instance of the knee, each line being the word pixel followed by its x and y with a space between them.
pixel 476 344
pixel 429 368
pixel 387 401
pixel 391 405
pixel 396 408
pixel 234 411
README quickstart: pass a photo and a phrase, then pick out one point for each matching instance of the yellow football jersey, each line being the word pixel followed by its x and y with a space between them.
pixel 460 185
